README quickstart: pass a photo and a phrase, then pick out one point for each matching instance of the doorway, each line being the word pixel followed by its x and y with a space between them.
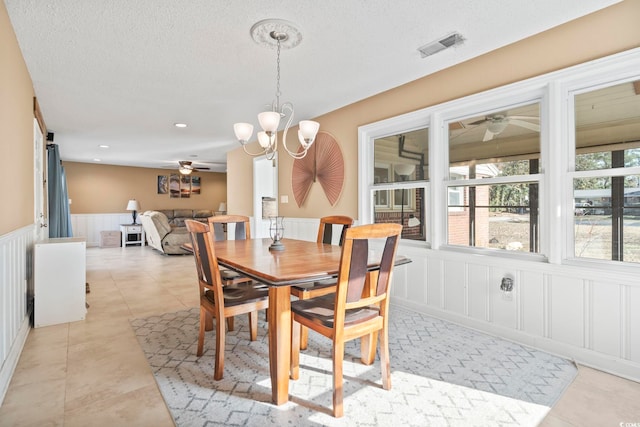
pixel 265 184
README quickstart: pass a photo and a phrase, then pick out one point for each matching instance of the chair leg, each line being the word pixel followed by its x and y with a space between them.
pixel 253 325
pixel 230 323
pixel 220 339
pixel 304 337
pixel 304 331
pixel 294 372
pixel 203 321
pixel 383 338
pixel 338 392
pixel 209 321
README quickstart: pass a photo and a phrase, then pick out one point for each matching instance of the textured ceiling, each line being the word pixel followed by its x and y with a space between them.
pixel 122 72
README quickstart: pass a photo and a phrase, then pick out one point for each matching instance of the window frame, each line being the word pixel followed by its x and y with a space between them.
pixel 592 78
pixel 556 164
pixel 366 164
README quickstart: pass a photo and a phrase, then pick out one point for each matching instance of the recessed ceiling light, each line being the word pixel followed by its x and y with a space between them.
pixel 97 160
pixel 103 146
pixel 180 125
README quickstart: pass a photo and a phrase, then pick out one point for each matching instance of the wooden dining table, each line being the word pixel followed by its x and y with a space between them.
pixel 300 262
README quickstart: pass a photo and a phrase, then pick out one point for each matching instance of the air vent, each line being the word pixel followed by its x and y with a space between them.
pixel 445 42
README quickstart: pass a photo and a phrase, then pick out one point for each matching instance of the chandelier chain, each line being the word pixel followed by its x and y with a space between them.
pixel 278 77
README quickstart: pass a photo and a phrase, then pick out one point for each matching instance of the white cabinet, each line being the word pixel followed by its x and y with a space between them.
pixel 132 234
pixel 59 281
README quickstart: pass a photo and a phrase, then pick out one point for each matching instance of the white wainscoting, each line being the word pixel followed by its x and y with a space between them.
pixel 16 296
pixel 89 226
pixel 585 314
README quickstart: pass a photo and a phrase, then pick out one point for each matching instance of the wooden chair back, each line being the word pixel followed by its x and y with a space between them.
pixel 354 267
pixel 220 225
pixel 207 267
pixel 329 225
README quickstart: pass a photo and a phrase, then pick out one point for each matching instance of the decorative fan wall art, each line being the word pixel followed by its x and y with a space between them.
pixel 323 163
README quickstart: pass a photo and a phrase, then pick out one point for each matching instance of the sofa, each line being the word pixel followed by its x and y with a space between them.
pixel 166 231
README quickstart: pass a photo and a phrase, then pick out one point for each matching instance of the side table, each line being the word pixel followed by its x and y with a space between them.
pixel 132 234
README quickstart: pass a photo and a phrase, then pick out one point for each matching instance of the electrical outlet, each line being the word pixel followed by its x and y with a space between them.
pixel 284 199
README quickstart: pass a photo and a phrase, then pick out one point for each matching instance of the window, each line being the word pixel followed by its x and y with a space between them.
pixel 399 177
pixel 493 180
pixel 606 181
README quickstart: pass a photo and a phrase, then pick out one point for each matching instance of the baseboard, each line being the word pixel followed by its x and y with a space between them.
pixel 602 362
pixel 9 365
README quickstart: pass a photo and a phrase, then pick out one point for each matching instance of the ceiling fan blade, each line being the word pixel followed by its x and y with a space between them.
pixel 526 125
pixel 525 117
pixel 488 136
pixel 479 122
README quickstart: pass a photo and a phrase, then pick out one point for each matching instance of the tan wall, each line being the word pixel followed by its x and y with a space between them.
pixel 16 128
pixel 603 33
pixel 107 189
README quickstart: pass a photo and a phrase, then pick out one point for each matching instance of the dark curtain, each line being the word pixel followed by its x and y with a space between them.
pixel 59 214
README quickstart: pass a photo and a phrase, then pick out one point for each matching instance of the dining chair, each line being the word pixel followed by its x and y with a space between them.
pixel 354 310
pixel 241 226
pixel 221 302
pixel 329 227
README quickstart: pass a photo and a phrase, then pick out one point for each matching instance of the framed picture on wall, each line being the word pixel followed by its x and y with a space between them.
pixel 163 184
pixel 174 185
pixel 185 186
pixel 195 184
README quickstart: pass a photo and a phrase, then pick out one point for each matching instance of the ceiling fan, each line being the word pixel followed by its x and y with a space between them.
pixel 497 123
pixel 186 167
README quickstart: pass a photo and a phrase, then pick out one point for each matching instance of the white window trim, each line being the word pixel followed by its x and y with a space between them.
pixel 554 91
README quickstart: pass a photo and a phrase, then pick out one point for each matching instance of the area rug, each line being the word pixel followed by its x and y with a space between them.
pixel 442 375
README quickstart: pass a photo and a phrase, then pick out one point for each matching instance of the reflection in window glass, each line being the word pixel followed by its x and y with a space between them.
pixel 411 214
pixel 503 141
pixel 494 223
pixel 503 144
pixel 403 156
pixel 607 120
pixel 401 160
pixel 607 208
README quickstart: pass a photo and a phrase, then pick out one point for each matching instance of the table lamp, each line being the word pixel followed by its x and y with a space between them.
pixel 134 206
pixel 223 207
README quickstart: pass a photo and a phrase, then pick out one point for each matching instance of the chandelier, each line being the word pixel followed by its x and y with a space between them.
pixel 285 36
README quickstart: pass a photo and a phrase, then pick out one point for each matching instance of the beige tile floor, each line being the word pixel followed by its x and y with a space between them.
pixel 93 373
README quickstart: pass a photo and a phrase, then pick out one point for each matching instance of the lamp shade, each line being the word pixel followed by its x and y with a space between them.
pixel 309 129
pixel 243 131
pixel 413 221
pixel 404 169
pixel 133 205
pixel 264 140
pixel 222 207
pixel 269 121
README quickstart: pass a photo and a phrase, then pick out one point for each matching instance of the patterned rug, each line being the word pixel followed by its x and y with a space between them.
pixel 442 375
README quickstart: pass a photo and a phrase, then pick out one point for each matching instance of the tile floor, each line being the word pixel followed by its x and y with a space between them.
pixel 93 372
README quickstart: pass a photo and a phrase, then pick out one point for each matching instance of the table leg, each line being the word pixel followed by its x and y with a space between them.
pixel 279 317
